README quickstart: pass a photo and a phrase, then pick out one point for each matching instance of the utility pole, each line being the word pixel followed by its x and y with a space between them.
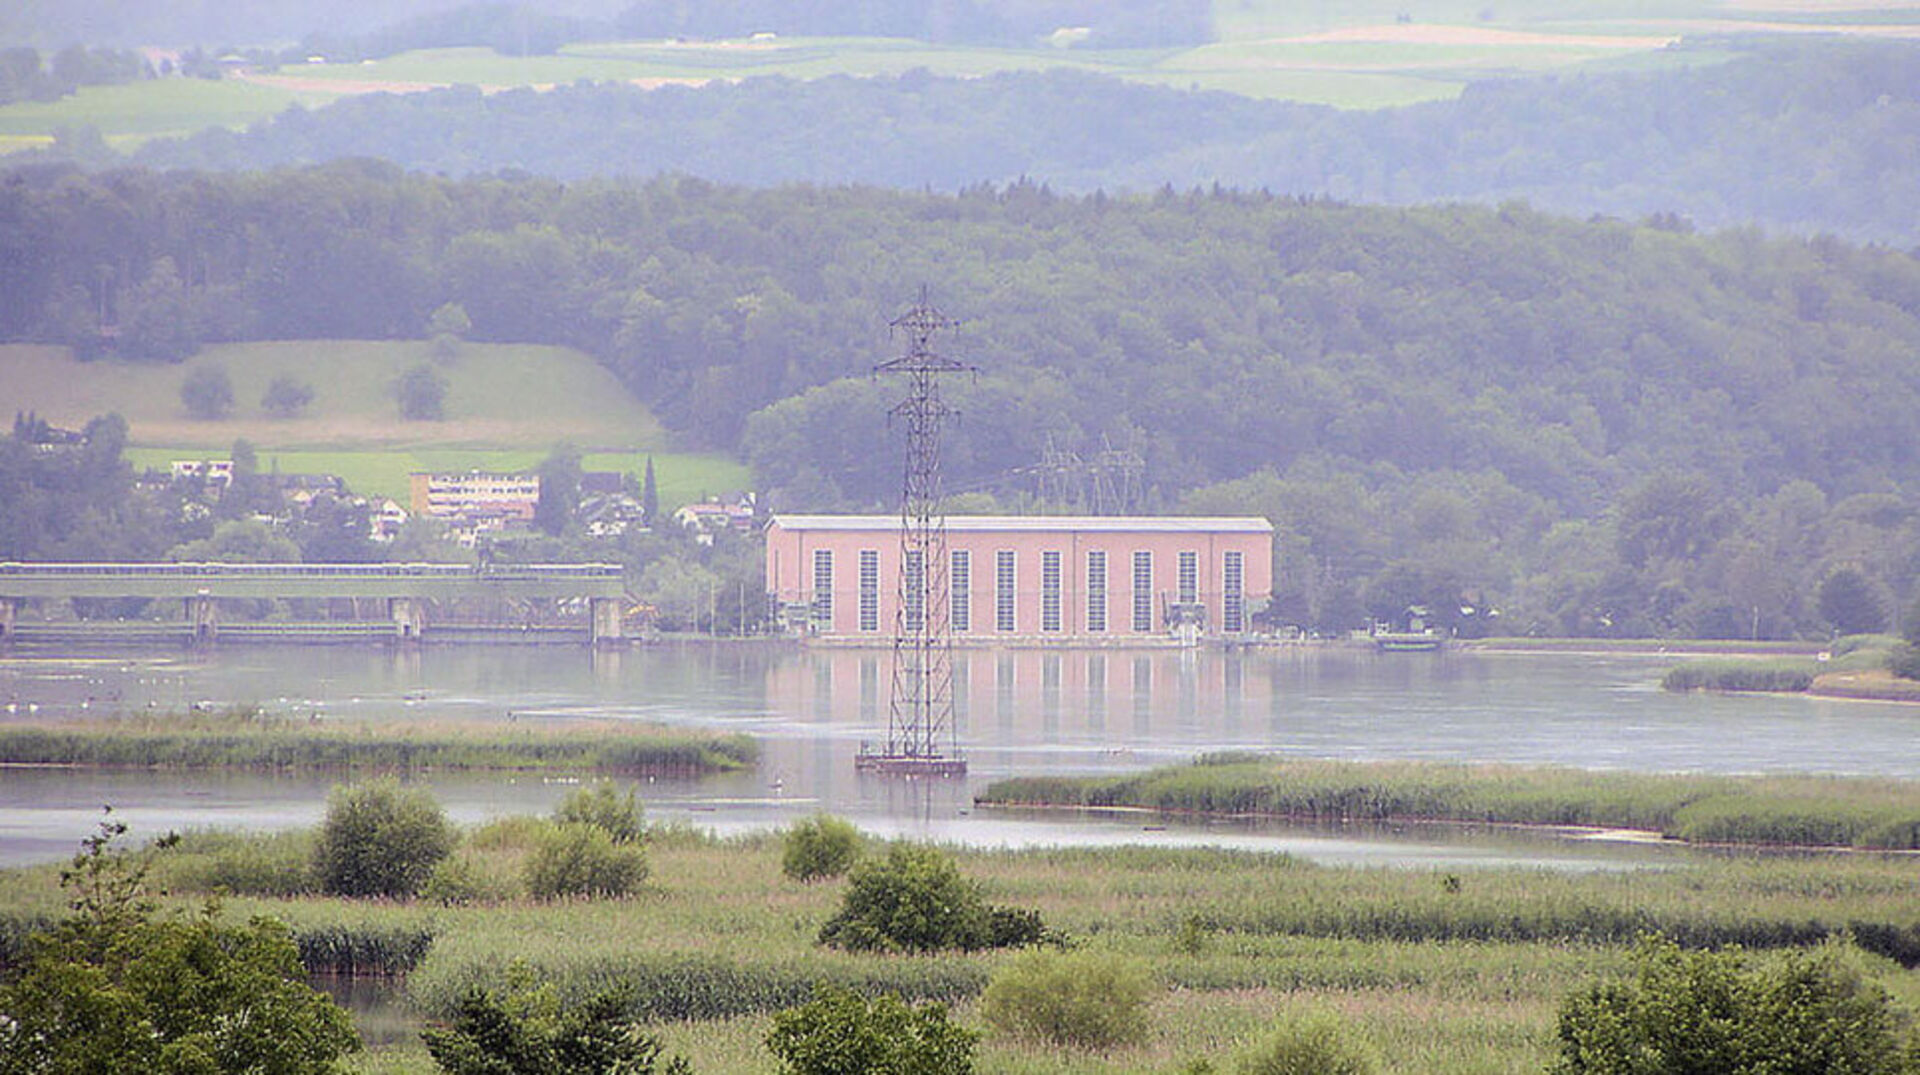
pixel 921 739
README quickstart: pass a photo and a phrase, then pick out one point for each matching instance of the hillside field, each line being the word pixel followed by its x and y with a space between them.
pixel 507 406
pixel 1355 56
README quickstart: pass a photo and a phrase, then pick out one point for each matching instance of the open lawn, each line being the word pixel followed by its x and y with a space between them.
pixel 1351 55
pixel 508 405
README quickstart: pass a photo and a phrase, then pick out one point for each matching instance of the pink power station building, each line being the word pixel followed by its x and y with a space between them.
pixel 1025 579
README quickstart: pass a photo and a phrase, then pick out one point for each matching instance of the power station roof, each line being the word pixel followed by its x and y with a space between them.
pixel 1166 524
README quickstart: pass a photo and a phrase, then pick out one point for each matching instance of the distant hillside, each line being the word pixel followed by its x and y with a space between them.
pixel 498 396
pixel 1597 427
pixel 1801 136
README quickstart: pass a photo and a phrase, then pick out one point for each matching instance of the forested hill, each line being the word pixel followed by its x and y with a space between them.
pixel 1595 423
pixel 1809 137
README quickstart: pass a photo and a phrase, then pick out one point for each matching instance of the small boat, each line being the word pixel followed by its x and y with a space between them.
pixel 1406 641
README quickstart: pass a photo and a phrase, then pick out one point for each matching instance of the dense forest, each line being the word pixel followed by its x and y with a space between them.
pixel 1595 427
pixel 1715 144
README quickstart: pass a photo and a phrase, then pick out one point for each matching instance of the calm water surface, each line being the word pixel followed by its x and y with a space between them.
pixel 1018 712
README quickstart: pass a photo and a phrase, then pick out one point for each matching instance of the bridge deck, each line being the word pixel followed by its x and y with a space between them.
pixel 437 581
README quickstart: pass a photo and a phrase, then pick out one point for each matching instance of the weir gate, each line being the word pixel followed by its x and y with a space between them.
pixel 408 590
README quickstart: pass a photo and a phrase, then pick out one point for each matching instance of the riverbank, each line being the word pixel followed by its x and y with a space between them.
pixel 1779 811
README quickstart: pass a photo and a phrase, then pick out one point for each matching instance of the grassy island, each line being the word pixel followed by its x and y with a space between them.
pixel 1803 811
pixel 245 737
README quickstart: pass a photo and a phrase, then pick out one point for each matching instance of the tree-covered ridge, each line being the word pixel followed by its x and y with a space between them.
pixel 1596 423
pixel 1808 137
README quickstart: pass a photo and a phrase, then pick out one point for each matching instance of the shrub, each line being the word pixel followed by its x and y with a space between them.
pixel 820 846
pixel 1904 661
pixel 1704 1013
pixel 114 988
pixel 422 394
pixel 914 900
pixel 206 392
pixel 602 806
pixel 1312 1043
pixel 526 1032
pixel 1088 1000
pixel 840 1032
pixel 380 840
pixel 576 859
pixel 286 396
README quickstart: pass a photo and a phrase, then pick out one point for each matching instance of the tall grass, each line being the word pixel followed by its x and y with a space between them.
pixel 1740 675
pixel 253 742
pixel 1796 810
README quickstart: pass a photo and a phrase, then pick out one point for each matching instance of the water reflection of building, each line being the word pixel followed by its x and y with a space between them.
pixel 1037 695
pixel 1082 579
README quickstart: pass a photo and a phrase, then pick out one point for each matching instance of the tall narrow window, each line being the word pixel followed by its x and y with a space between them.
pixel 1003 580
pixel 1143 591
pixel 1233 608
pixel 1050 591
pixel 1096 591
pixel 959 588
pixel 823 587
pixel 869 590
pixel 1189 577
pixel 914 606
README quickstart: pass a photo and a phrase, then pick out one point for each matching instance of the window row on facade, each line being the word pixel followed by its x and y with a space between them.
pixel 1144 608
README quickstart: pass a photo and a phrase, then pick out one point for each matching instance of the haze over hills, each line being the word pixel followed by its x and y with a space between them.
pixel 1719 145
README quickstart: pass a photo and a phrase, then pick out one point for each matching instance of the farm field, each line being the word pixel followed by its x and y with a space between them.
pixel 1348 55
pixel 508 406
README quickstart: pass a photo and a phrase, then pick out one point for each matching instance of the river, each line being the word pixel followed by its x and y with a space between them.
pixel 1018 711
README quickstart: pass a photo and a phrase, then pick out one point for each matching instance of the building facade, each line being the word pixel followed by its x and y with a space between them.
pixel 475 495
pixel 1081 579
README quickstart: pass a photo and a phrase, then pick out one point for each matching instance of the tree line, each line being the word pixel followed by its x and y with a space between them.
pixel 1806 137
pixel 1595 427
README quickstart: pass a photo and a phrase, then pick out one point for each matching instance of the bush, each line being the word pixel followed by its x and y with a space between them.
pixel 840 1032
pixel 422 394
pixel 286 396
pixel 600 805
pixel 1313 1043
pixel 914 900
pixel 206 392
pixel 526 1032
pixel 114 988
pixel 1705 1013
pixel 1904 661
pixel 820 846
pixel 576 859
pixel 380 840
pixel 1087 1000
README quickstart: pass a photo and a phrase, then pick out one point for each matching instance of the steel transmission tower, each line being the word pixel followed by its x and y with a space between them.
pixel 921 738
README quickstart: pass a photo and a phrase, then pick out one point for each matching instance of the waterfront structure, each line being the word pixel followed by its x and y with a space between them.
pixel 1022 579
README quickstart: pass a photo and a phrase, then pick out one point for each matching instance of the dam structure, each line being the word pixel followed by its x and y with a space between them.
pixel 406 593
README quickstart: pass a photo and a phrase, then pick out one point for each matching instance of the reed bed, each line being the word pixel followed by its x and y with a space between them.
pixel 246 739
pixel 1733 674
pixel 1801 811
pixel 1443 972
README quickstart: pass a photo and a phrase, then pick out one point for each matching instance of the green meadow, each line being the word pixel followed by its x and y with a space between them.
pixel 1350 55
pixel 1441 972
pixel 508 406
